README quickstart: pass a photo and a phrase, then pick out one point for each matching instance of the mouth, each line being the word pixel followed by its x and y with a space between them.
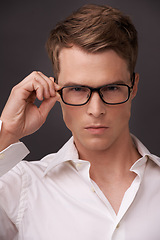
pixel 96 129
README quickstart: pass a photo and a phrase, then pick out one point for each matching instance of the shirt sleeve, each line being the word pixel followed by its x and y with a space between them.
pixel 13 189
pixel 12 155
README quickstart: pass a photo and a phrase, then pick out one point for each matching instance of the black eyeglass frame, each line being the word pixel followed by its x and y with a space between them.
pixel 98 90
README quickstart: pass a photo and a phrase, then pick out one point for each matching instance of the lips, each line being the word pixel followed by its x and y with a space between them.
pixel 96 129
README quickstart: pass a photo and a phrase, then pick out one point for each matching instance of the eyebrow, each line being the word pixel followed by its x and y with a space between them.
pixel 76 84
pixel 72 84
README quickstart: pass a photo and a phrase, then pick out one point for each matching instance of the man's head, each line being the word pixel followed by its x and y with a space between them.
pixel 95 29
pixel 93 48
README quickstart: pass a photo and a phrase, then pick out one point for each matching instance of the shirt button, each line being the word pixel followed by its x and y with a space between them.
pixel 78 165
pixel 92 188
pixel 118 225
pixel 1 155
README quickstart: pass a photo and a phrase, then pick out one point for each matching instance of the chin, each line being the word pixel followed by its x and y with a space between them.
pixel 96 144
pixel 99 147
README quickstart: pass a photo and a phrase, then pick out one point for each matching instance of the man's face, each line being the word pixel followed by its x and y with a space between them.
pixel 95 126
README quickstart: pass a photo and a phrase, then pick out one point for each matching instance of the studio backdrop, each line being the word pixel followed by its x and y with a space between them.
pixel 25 26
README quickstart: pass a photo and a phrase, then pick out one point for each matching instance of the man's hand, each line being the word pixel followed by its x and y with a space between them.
pixel 21 116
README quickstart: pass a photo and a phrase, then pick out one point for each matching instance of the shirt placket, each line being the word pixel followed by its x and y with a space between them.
pixel 118 230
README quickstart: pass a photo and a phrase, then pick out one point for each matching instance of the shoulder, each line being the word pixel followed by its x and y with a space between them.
pixel 34 167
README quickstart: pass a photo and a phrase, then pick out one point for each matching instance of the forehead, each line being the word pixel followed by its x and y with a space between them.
pixel 93 69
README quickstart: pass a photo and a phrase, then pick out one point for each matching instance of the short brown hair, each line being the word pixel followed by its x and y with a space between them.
pixel 95 28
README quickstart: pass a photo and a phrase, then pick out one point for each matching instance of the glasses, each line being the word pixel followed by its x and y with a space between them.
pixel 111 94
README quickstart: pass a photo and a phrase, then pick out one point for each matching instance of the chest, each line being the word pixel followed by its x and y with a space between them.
pixel 72 210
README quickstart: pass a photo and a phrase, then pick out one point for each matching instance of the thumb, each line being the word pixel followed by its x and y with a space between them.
pixel 57 87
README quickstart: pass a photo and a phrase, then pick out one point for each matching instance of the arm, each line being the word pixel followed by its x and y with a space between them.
pixel 20 117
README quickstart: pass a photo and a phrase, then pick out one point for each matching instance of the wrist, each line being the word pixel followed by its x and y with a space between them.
pixel 6 139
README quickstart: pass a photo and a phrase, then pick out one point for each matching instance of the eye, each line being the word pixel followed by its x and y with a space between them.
pixel 76 89
pixel 111 88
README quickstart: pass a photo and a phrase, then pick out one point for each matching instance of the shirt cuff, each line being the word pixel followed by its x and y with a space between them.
pixel 12 155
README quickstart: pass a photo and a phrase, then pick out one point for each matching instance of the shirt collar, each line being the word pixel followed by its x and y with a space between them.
pixel 144 152
pixel 69 153
pixel 139 166
pixel 66 153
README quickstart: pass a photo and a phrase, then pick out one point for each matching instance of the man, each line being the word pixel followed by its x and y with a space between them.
pixel 103 183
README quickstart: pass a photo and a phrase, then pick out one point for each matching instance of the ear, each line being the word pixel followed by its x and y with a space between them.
pixel 135 87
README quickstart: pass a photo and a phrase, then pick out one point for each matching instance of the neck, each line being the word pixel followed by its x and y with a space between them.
pixel 112 163
pixel 110 169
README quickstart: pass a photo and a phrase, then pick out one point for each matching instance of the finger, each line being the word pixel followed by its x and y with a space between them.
pixel 37 84
pixel 50 82
pixel 38 81
pixel 56 86
pixel 38 88
pixel 45 82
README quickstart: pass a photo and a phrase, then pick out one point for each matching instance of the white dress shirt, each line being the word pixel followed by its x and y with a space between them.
pixel 55 199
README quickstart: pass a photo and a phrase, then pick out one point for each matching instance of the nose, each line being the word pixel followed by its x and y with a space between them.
pixel 96 106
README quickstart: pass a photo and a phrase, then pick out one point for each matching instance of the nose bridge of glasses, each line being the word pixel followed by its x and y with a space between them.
pixel 96 90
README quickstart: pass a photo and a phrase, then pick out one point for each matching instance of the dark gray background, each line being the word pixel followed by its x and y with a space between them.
pixel 25 26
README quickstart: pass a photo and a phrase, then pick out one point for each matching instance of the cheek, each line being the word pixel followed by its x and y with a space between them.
pixel 121 114
pixel 71 116
pixel 127 112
